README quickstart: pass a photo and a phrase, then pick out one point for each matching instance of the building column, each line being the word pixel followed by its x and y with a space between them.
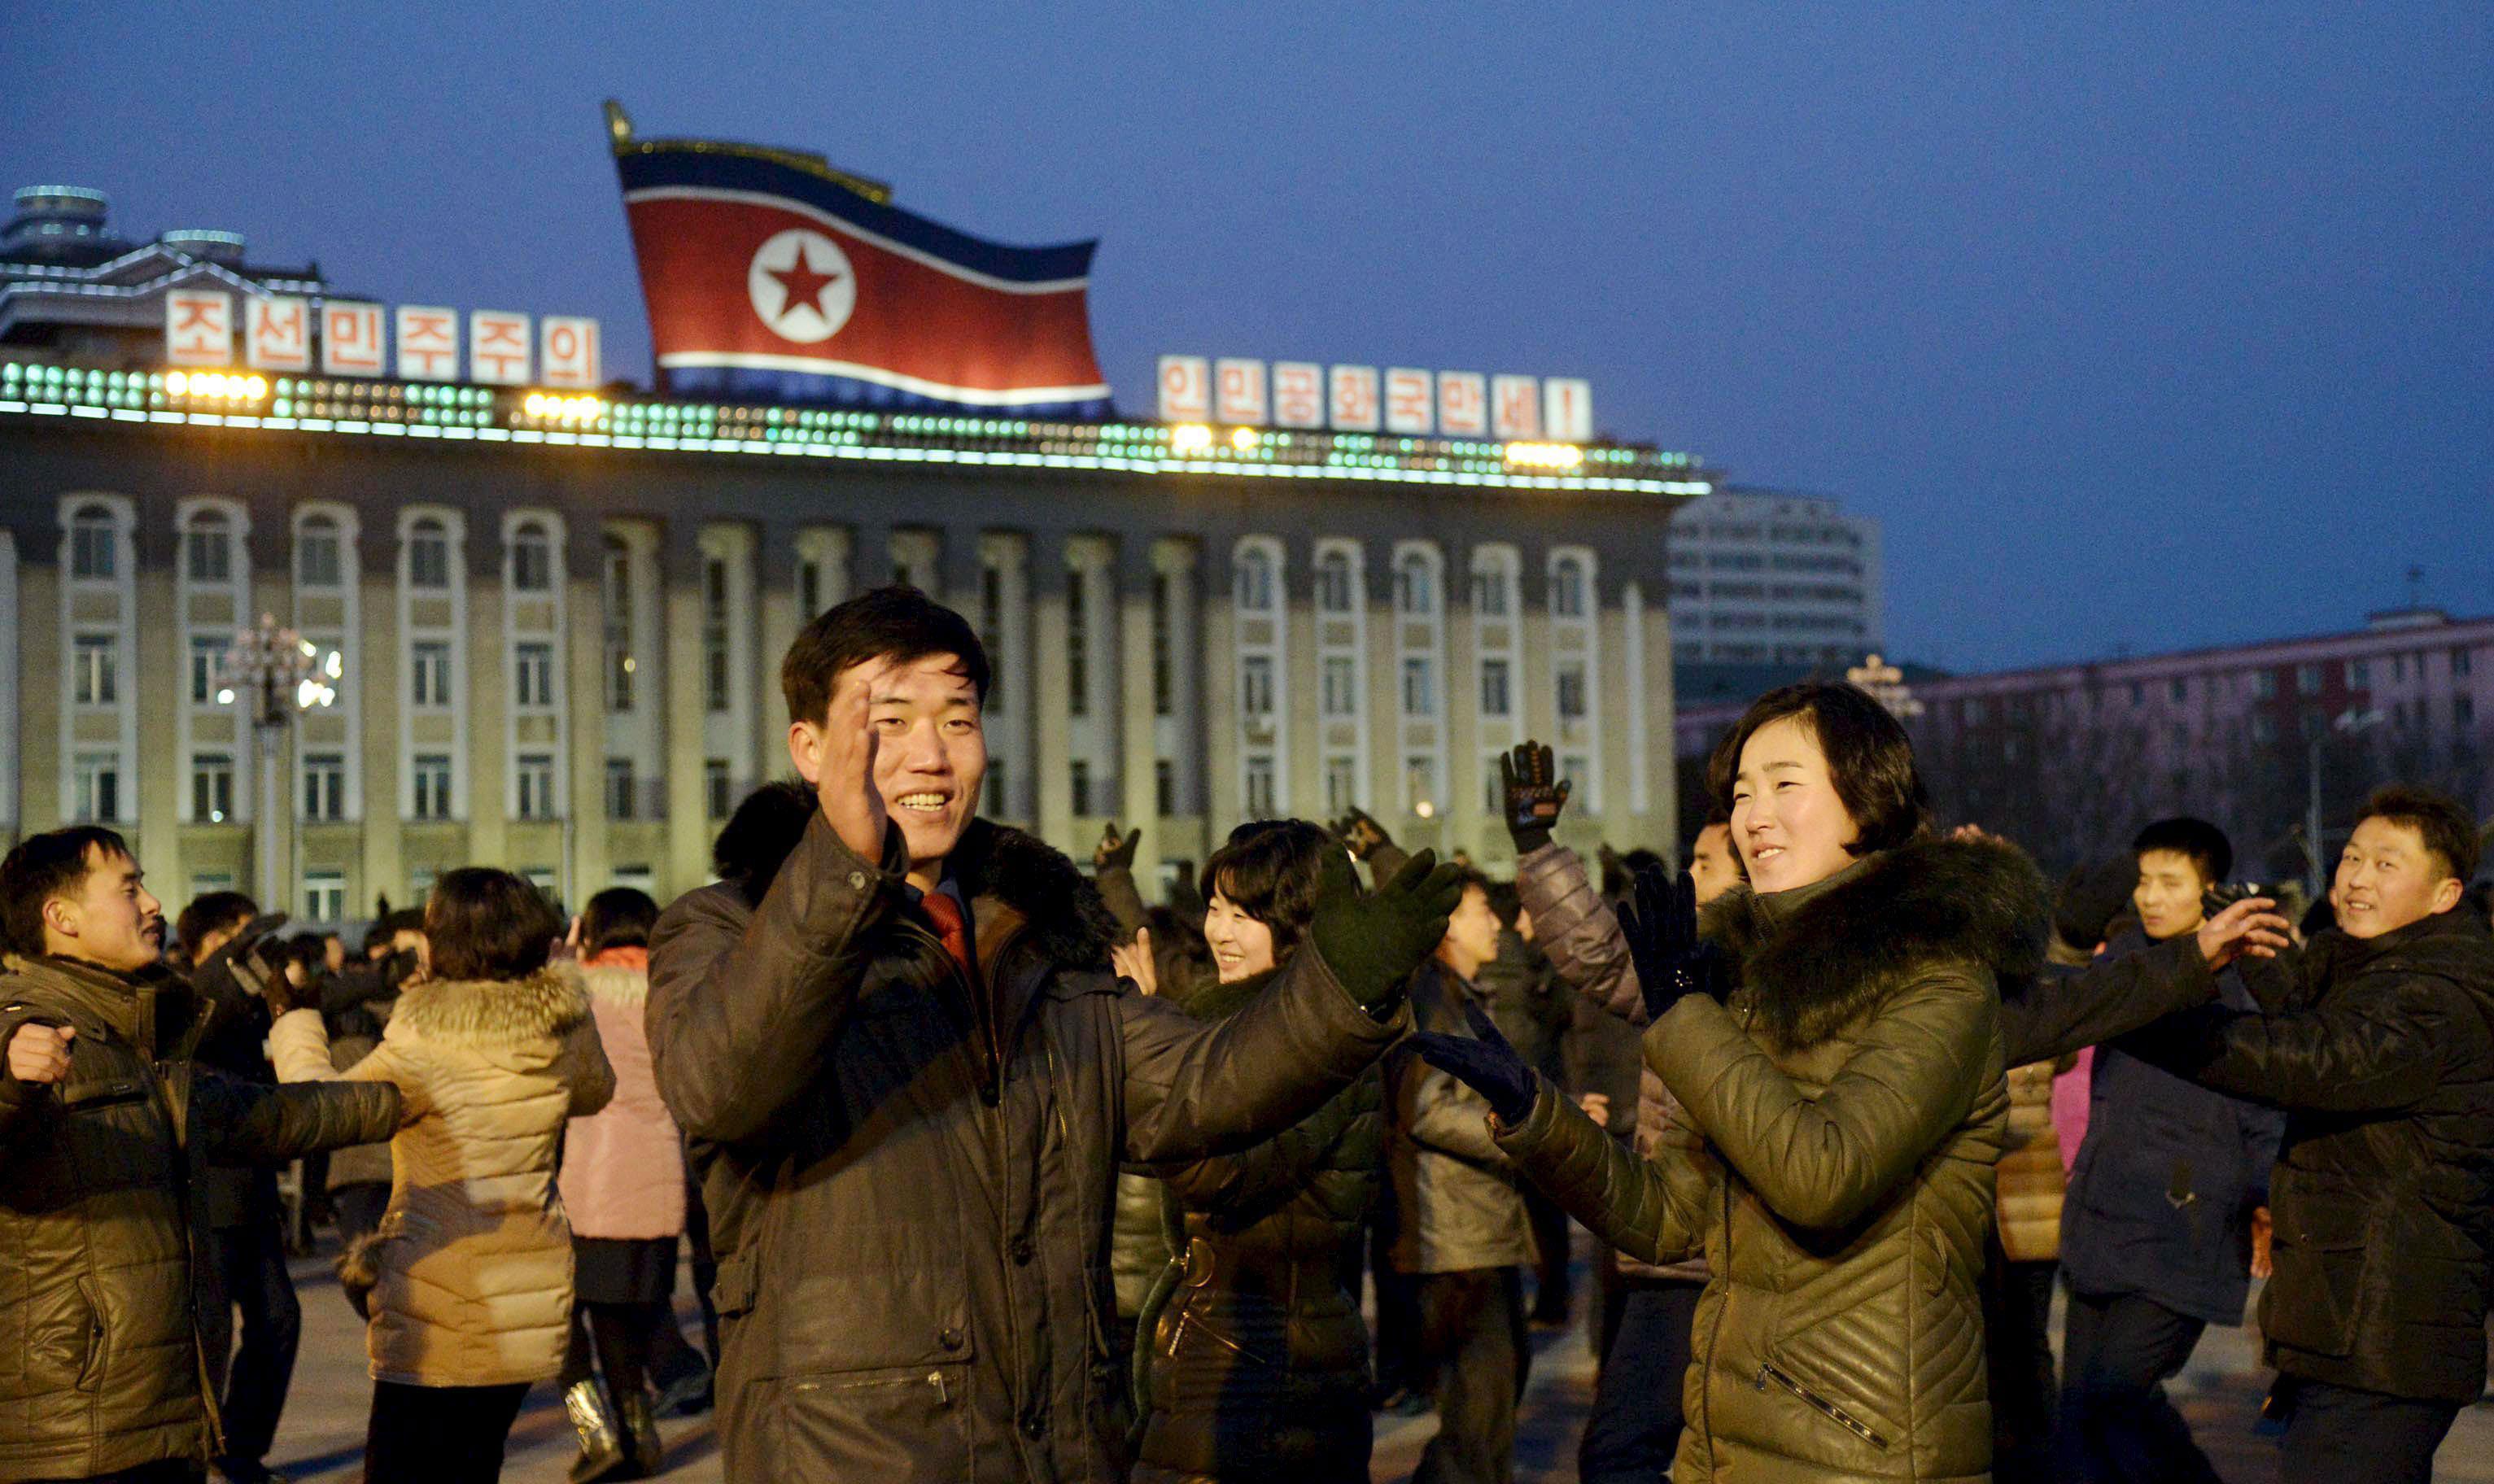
pixel 689 825
pixel 774 590
pixel 1138 754
pixel 1224 804
pixel 1048 689
pixel 588 866
pixel 1183 734
pixel 158 766
pixel 489 717
pixel 382 869
pixel 1463 787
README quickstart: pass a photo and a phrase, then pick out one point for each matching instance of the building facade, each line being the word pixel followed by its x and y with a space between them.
pixel 559 618
pixel 1762 576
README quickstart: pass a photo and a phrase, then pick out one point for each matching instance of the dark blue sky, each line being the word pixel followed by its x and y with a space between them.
pixel 2138 325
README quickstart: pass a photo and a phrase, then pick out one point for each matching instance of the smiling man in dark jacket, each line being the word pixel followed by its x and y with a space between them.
pixel 909 1078
pixel 105 1130
pixel 2383 1057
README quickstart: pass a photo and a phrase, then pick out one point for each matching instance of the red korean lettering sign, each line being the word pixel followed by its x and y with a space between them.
pixel 1515 406
pixel 1567 410
pixel 1463 404
pixel 1186 389
pixel 276 333
pixel 351 340
pixel 1238 392
pixel 1299 394
pixel 428 344
pixel 198 327
pixel 1352 400
pixel 1409 407
pixel 568 351
pixel 497 347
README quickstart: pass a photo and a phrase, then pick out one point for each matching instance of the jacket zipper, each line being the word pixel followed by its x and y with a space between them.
pixel 1769 1371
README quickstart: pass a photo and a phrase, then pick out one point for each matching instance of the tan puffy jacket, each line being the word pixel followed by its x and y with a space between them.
pixel 1845 1114
pixel 476 1256
pixel 2031 1178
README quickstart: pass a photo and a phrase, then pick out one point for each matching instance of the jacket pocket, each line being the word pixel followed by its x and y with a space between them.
pixel 1770 1373
pixel 90 1375
pixel 901 1423
pixel 2313 1291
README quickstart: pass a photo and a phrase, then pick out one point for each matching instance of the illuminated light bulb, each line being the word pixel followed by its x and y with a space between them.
pixel 1244 437
pixel 1425 809
pixel 259 387
pixel 534 406
pixel 1190 438
pixel 178 382
pixel 225 697
pixel 336 666
pixel 308 647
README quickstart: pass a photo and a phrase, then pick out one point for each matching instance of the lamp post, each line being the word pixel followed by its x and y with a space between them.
pixel 1886 684
pixel 274 673
pixel 2347 723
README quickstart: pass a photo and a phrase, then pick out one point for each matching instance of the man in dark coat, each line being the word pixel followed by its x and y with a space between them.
pixel 908 1077
pixel 106 1129
pixel 2381 1054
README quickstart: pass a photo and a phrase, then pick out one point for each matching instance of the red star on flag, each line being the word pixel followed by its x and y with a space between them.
pixel 801 286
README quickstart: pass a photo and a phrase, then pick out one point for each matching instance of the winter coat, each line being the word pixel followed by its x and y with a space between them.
pixel 1845 1110
pixel 624 1166
pixel 101 1220
pixel 2030 1177
pixel 909 1172
pixel 1137 1244
pixel 475 1256
pixel 1259 1365
pixel 2161 1199
pixel 237 1020
pixel 1454 1203
pixel 1581 934
pixel 2382 1056
pixel 355 1015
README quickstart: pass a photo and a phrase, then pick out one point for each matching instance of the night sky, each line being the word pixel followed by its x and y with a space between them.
pixel 2136 325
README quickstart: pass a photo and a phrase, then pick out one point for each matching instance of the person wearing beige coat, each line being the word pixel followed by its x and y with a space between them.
pixel 472 1267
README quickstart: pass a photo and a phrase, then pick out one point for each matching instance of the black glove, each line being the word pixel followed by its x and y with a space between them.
pixel 1659 922
pixel 1484 1062
pixel 1533 795
pixel 1373 942
pixel 1361 833
pixel 1115 850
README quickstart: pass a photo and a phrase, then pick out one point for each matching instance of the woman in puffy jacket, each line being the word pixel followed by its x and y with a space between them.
pixel 472 1267
pixel 1260 1362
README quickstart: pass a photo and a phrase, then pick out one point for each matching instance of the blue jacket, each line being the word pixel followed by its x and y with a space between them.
pixel 2161 1197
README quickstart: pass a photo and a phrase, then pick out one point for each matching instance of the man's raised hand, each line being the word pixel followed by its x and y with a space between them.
pixel 1532 795
pixel 2247 927
pixel 844 777
pixel 41 1053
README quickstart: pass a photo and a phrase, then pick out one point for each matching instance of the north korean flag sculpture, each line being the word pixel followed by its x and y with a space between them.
pixel 770 275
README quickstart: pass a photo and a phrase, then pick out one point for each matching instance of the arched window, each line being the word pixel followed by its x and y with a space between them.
pixel 531 559
pixel 1334 584
pixel 1567 588
pixel 93 543
pixel 318 553
pixel 1256 575
pixel 1493 582
pixel 428 554
pixel 208 547
pixel 1416 585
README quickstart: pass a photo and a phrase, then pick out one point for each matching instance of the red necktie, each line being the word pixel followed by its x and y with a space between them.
pixel 947 916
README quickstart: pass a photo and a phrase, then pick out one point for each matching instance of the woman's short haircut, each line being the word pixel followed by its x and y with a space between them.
pixel 1869 759
pixel 619 917
pixel 896 623
pixel 488 923
pixel 2196 840
pixel 2443 822
pixel 1272 869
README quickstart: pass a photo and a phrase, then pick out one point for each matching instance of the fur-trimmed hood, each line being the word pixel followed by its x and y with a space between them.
pixel 490 1012
pixel 1068 921
pixel 1213 1000
pixel 1833 952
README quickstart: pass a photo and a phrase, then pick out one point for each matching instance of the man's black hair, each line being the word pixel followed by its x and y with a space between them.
pixel 1272 869
pixel 211 912
pixel 1506 901
pixel 2446 827
pixel 2090 897
pixel 619 917
pixel 487 923
pixel 42 868
pixel 1869 759
pixel 2196 840
pixel 897 623
pixel 390 924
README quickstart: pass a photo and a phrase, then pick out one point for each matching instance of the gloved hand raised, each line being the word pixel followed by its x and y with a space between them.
pixel 1374 942
pixel 1659 923
pixel 1484 1062
pixel 1361 833
pixel 1533 795
pixel 1114 849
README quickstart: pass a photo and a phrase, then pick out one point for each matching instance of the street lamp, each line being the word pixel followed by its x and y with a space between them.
pixel 1886 684
pixel 274 673
pixel 2347 723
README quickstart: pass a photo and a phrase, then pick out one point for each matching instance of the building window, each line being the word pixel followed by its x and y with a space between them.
pixel 1078 645
pixel 1341 687
pixel 1493 699
pixel 324 785
pixel 211 788
pixel 94 544
pixel 617 604
pixel 809 588
pixel 1164 646
pixel 1572 690
pixel 534 773
pixel 2459 659
pixel 1420 784
pixel 207 549
pixel 95 670
pixel 1568 589
pixel 2265 685
pixel 428 555
pixel 532 674
pixel 991 632
pixel 1256 580
pixel 2463 711
pixel 432 786
pixel 1489 593
pixel 1578 770
pixel 1415 588
pixel 324 895
pixel 2359 674
pixel 2179 689
pixel 620 800
pixel 1078 775
pixel 1255 686
pixel 207 652
pixel 1342 785
pixel 2398 667
pixel 2307 679
pixel 97 777
pixel 1259 787
pixel 429 684
pixel 318 553
pixel 1333 583
pixel 531 559
pixel 621 670
pixel 718 795
pixel 1164 787
pixel 1419 687
pixel 716 678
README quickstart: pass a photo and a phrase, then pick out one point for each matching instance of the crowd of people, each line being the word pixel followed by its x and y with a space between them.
pixel 991 1169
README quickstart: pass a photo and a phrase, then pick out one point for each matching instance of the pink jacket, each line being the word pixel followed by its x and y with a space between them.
pixel 2070 1103
pixel 624 1166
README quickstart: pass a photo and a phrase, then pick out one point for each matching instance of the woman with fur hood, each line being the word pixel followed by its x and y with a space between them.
pixel 472 1267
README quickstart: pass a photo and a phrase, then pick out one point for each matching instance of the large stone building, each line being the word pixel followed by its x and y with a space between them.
pixel 559 621
pixel 1773 577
